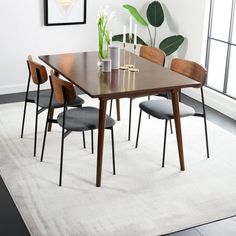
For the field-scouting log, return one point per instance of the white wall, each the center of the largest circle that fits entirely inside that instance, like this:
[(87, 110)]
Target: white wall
[(189, 18), (23, 33)]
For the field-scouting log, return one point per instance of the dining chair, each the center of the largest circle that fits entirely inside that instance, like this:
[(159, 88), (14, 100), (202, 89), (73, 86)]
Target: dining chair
[(162, 108), (77, 119), (39, 76), (155, 55)]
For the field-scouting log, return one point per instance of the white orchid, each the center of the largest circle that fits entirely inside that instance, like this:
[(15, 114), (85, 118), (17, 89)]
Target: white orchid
[(103, 18)]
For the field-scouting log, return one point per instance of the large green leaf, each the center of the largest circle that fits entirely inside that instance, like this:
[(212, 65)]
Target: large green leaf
[(171, 44), (155, 14), (119, 37), (133, 11)]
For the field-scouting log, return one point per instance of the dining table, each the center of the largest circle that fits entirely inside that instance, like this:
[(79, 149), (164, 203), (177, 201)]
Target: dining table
[(140, 78)]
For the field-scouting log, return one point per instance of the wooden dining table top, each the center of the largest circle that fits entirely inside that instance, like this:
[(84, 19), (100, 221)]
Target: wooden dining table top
[(82, 70)]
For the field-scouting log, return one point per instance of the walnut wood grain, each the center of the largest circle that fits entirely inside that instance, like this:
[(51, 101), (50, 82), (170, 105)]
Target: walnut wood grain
[(63, 90), (101, 127), (189, 69), (175, 104), (155, 55), (38, 72), (81, 69)]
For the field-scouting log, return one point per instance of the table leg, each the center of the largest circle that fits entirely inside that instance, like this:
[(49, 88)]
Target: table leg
[(101, 127), (118, 108), (51, 117), (175, 104)]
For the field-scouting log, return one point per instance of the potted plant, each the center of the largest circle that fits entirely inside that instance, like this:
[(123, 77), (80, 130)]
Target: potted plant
[(103, 18), (155, 18)]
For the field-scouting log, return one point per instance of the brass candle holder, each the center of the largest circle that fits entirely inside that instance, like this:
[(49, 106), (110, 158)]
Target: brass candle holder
[(130, 67), (124, 67), (133, 68)]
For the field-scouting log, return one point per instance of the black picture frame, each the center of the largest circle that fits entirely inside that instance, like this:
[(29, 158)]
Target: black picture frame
[(63, 12)]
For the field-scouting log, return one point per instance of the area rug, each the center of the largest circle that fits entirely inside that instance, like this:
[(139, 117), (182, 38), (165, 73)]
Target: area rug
[(141, 199)]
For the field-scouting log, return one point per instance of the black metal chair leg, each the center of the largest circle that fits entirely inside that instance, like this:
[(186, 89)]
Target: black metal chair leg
[(84, 140), (130, 116), (171, 128), (110, 107), (26, 97), (113, 151), (149, 97), (164, 145), (46, 124), (206, 135), (23, 120), (205, 123), (139, 122), (36, 121), (44, 137), (92, 146), (62, 146)]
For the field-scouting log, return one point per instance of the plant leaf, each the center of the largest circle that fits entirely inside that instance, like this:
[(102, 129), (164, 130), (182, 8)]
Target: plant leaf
[(171, 44), (119, 37), (133, 11), (155, 14)]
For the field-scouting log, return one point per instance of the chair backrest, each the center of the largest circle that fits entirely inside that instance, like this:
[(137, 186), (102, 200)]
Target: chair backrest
[(155, 55), (37, 71), (64, 91), (189, 69)]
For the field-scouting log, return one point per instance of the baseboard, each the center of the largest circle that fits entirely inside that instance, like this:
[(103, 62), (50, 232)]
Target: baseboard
[(215, 100)]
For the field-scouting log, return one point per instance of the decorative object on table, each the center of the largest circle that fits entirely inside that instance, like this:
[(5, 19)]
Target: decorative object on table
[(155, 16), (106, 65), (64, 12), (124, 67), (131, 38), (104, 39), (114, 52), (132, 67)]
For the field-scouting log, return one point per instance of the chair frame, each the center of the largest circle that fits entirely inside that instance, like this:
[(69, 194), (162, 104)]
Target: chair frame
[(154, 55), (64, 133), (203, 114), (37, 80)]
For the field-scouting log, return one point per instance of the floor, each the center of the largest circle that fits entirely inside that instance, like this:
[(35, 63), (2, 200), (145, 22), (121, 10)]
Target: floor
[(12, 223)]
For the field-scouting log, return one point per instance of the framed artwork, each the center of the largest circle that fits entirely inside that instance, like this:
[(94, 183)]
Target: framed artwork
[(64, 12)]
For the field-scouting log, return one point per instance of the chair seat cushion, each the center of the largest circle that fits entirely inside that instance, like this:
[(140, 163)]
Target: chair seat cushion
[(44, 98), (162, 109), (82, 119)]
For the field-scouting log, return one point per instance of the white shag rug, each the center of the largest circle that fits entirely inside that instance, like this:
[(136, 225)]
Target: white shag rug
[(142, 199)]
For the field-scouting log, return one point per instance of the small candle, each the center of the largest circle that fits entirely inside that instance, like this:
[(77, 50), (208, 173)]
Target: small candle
[(124, 34), (135, 34), (130, 26)]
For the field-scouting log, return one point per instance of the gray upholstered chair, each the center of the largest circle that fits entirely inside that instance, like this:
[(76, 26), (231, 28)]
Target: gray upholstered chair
[(156, 56), (162, 108), (78, 119), (38, 74)]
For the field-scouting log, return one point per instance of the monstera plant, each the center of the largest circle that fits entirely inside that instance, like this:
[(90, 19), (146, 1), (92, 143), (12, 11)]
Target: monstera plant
[(155, 18)]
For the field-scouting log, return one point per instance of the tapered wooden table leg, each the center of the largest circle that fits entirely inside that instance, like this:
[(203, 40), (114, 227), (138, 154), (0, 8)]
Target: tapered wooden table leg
[(175, 104), (101, 127), (51, 117), (118, 108)]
